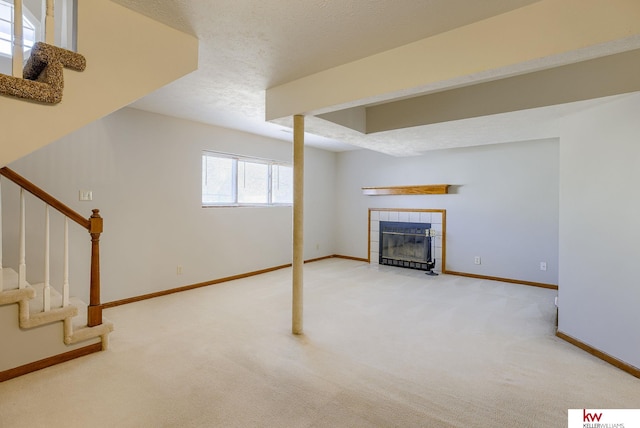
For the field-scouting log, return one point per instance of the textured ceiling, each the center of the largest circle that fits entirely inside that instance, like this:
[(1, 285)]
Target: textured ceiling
[(247, 46)]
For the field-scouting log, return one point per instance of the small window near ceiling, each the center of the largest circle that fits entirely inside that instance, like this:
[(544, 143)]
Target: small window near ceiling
[(6, 29), (229, 180)]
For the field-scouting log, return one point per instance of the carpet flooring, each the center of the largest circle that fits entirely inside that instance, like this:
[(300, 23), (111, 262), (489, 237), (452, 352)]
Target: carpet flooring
[(383, 347)]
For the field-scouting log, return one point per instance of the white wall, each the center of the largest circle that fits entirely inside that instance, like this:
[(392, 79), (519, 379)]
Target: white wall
[(600, 228), (145, 173), (503, 204)]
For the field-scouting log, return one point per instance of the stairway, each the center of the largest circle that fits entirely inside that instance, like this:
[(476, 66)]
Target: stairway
[(31, 334), (40, 325), (127, 56)]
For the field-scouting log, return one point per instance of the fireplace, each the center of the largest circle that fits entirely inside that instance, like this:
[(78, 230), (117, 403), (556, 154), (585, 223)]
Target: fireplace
[(406, 244), (433, 220)]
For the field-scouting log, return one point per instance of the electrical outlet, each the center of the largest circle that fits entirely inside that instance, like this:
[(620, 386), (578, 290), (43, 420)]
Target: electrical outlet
[(179, 270), (85, 195), (477, 260), (543, 265)]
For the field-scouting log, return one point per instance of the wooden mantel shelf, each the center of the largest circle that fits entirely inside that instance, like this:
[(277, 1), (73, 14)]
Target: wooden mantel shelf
[(428, 189)]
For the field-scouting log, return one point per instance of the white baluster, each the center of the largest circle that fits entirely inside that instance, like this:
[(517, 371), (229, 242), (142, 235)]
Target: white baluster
[(65, 281), (18, 39), (1, 273), (22, 268), (64, 24), (49, 22), (46, 291)]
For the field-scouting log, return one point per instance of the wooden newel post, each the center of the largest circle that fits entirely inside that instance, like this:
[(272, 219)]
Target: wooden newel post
[(94, 314)]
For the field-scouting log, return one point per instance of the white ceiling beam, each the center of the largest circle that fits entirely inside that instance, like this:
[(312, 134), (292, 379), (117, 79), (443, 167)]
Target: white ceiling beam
[(542, 35), (597, 78)]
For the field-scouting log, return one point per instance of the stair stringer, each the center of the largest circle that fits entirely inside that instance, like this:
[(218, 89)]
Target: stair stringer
[(128, 56), (32, 335)]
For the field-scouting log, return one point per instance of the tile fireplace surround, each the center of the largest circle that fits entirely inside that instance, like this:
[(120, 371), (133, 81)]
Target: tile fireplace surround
[(437, 218)]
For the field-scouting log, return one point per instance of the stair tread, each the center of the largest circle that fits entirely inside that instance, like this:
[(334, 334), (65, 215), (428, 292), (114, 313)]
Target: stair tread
[(37, 303), (9, 278), (79, 322)]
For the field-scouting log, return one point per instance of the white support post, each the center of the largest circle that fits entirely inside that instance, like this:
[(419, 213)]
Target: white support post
[(298, 224), (18, 39), (65, 270), (22, 268), (49, 27), (46, 291)]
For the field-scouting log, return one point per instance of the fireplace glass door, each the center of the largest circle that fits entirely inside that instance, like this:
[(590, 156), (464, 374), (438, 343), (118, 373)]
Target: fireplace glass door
[(405, 244)]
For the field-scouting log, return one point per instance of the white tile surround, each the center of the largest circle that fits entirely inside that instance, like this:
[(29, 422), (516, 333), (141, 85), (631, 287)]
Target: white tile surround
[(435, 217)]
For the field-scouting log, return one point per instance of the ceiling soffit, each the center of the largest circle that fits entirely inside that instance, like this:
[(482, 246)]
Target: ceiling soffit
[(473, 59), (597, 78)]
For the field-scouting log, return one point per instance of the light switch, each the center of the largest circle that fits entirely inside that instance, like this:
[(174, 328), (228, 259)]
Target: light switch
[(86, 195)]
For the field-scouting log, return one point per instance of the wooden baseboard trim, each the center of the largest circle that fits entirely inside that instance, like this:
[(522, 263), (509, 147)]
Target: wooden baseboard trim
[(319, 259), (357, 259), (509, 280), (599, 354), (190, 287), (50, 361), (216, 281)]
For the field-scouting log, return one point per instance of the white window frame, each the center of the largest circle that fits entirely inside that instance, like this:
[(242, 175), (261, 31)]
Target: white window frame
[(234, 171)]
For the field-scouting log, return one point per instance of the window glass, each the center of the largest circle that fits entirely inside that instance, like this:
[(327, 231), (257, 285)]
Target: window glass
[(281, 184), (217, 180), (229, 180), (6, 34), (253, 183), (6, 11)]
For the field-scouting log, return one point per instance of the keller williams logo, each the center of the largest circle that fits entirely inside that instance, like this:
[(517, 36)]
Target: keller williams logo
[(590, 417)]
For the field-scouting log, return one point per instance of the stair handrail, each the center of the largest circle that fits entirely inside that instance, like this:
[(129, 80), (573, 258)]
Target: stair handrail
[(93, 224)]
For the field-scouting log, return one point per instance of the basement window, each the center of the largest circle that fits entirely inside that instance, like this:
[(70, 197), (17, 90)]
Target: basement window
[(29, 29), (235, 181)]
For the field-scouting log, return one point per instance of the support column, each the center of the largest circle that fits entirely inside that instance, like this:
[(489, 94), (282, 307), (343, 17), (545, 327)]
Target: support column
[(298, 222)]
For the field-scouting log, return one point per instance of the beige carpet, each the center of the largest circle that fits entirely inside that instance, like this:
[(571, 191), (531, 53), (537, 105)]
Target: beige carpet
[(384, 347)]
